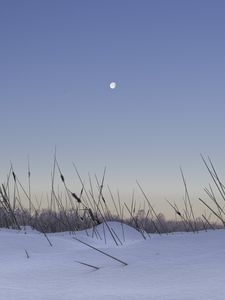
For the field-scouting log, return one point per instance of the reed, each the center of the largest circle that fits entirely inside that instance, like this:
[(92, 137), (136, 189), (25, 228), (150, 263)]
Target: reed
[(72, 210)]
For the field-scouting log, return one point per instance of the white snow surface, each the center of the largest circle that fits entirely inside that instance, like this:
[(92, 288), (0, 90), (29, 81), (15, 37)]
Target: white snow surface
[(179, 266)]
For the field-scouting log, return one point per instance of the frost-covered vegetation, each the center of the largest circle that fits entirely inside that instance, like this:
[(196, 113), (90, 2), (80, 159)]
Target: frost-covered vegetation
[(72, 211)]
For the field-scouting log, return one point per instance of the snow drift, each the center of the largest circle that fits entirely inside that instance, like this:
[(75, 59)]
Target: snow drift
[(175, 266)]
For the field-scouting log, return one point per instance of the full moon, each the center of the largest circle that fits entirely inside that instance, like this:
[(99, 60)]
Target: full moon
[(112, 85)]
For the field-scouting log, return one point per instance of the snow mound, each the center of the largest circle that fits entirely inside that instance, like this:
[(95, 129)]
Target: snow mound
[(112, 232)]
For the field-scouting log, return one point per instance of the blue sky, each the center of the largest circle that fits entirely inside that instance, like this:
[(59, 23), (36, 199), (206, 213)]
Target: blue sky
[(57, 59)]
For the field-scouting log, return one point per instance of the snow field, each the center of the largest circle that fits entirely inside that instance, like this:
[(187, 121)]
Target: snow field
[(174, 266)]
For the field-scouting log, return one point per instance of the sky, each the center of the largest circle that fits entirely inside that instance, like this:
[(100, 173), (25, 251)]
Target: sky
[(57, 60)]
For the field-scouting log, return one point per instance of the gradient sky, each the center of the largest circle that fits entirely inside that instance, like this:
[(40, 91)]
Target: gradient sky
[(57, 59)]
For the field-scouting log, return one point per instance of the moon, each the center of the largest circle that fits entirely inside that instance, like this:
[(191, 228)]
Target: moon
[(112, 85)]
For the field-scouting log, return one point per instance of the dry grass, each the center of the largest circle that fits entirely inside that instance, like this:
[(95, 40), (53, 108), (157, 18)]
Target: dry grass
[(90, 207)]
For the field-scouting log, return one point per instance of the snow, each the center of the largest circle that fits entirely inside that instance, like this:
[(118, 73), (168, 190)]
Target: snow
[(175, 266)]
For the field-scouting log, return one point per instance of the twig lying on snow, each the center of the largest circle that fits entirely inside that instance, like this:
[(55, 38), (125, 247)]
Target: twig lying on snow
[(27, 254), (88, 265), (122, 262)]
